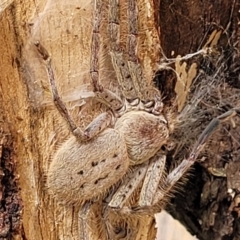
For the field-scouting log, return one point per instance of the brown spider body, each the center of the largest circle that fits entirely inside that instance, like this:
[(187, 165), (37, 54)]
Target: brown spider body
[(79, 170)]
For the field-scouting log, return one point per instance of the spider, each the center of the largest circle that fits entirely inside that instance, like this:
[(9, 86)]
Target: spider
[(129, 135)]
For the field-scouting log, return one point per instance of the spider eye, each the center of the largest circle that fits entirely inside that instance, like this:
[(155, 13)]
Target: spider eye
[(148, 104)]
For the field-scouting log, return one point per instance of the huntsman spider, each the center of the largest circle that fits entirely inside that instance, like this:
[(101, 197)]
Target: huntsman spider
[(129, 135)]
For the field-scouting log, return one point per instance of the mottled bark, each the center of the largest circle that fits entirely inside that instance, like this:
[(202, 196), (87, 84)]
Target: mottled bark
[(208, 204), (65, 29)]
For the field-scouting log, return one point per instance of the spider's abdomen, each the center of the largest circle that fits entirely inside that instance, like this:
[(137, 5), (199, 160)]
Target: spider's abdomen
[(82, 170), (144, 134)]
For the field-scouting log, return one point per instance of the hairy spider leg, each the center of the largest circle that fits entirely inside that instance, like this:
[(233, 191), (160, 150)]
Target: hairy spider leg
[(151, 172), (104, 95), (82, 221), (96, 126), (56, 98), (174, 176), (147, 93), (129, 184), (128, 70), (118, 59), (154, 174), (130, 77), (132, 45)]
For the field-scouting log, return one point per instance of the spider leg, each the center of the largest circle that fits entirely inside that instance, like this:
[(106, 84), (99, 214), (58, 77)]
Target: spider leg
[(119, 61), (56, 98), (150, 96), (151, 172), (129, 72), (83, 216), (130, 183), (132, 43), (95, 47), (185, 165), (123, 75), (151, 181), (106, 96), (96, 126)]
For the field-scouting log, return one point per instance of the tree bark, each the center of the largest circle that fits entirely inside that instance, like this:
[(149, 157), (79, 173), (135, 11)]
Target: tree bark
[(207, 204), (65, 29), (32, 128)]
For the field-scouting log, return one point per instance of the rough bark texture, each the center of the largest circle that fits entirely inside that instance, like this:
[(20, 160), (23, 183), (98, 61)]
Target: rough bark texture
[(32, 128), (208, 203), (65, 29)]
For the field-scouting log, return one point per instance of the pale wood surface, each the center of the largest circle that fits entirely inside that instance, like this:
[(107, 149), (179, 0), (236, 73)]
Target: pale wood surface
[(170, 229), (65, 30)]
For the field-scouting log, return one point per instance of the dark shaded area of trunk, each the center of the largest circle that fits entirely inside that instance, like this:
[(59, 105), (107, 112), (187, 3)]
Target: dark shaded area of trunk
[(208, 205)]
